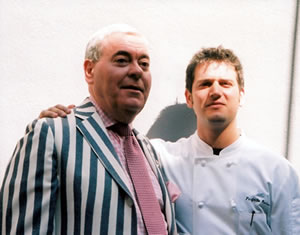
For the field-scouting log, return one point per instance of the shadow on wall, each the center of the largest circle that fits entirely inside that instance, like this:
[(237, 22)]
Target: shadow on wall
[(174, 121)]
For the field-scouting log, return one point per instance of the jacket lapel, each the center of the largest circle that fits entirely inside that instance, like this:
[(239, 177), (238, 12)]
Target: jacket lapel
[(145, 145), (157, 169), (91, 126)]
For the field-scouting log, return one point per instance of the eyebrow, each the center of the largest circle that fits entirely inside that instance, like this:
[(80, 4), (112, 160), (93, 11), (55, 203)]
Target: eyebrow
[(218, 79), (126, 53)]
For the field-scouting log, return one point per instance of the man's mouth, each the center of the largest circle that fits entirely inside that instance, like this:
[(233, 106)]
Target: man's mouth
[(214, 104), (130, 87)]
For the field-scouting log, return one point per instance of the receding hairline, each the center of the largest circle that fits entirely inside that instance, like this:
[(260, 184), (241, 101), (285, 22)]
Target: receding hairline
[(134, 34), (94, 46)]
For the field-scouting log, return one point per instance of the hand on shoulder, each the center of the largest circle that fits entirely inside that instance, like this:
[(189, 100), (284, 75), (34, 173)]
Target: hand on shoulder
[(58, 110)]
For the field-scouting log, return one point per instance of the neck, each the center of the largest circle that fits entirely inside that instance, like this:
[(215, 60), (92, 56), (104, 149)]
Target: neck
[(117, 114), (219, 137)]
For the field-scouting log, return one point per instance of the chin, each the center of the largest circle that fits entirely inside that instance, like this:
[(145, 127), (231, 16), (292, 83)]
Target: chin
[(217, 119), (132, 110), (134, 105)]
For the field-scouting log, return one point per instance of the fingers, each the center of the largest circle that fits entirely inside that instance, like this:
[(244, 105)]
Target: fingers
[(61, 110), (47, 113), (71, 106), (56, 111)]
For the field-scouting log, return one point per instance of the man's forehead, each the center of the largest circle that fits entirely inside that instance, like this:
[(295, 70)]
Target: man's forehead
[(215, 70), (129, 54), (212, 66), (125, 42)]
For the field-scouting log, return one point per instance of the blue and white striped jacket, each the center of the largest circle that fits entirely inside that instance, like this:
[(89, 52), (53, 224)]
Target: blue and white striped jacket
[(65, 178)]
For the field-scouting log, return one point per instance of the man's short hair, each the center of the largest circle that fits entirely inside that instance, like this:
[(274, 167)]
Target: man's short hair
[(93, 48), (218, 54)]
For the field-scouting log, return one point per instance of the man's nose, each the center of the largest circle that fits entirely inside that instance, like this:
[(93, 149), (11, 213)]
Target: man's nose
[(215, 90), (135, 70)]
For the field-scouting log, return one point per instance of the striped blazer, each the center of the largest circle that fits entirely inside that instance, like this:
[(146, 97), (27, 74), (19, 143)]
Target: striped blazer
[(66, 178)]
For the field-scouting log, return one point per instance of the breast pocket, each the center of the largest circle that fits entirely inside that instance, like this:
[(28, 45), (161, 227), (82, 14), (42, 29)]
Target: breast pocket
[(252, 223), (253, 215)]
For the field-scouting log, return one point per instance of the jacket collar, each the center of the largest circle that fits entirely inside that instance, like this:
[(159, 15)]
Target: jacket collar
[(91, 126), (89, 123)]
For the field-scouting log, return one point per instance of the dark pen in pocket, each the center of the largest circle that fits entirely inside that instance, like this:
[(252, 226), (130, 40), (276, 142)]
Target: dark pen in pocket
[(251, 221)]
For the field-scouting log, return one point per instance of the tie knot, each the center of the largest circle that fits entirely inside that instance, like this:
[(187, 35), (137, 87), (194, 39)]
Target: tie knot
[(121, 128)]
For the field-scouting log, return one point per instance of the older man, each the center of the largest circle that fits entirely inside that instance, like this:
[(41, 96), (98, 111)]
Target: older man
[(83, 174)]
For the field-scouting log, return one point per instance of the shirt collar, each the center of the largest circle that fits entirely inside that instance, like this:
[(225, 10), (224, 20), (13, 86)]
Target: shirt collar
[(201, 147), (108, 121)]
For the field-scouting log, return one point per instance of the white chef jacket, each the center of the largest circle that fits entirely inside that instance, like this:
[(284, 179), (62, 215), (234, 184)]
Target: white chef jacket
[(245, 190)]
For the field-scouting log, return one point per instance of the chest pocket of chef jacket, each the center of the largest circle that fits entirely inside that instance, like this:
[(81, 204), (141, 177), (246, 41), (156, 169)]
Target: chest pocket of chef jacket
[(254, 214)]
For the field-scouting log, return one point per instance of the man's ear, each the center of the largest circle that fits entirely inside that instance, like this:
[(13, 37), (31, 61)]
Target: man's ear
[(188, 98), (242, 97), (89, 71)]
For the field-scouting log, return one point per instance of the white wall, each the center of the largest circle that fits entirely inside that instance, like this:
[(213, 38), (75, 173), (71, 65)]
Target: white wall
[(42, 46)]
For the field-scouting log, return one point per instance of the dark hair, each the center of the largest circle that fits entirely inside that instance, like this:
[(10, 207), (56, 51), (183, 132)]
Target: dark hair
[(218, 54)]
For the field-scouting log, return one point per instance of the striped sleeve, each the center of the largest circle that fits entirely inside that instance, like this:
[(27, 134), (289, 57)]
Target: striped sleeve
[(29, 186), (63, 178)]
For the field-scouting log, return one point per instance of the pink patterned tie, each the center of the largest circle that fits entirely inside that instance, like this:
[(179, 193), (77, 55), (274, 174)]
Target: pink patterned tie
[(147, 200)]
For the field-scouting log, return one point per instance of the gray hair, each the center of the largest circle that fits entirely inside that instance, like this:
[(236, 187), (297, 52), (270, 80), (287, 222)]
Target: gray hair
[(93, 48)]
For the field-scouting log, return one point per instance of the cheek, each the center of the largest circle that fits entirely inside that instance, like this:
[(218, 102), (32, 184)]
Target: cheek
[(147, 83), (199, 97), (234, 101), (232, 94)]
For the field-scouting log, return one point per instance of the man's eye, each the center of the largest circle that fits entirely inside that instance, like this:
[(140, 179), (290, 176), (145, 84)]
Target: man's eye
[(145, 64), (205, 84), (121, 60), (225, 83)]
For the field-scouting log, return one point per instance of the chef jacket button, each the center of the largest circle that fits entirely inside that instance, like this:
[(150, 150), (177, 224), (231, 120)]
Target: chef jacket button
[(229, 164), (203, 162), (233, 204), (200, 205)]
